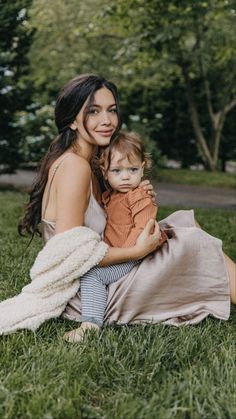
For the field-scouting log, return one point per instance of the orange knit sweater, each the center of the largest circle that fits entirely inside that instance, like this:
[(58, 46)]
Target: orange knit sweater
[(127, 215)]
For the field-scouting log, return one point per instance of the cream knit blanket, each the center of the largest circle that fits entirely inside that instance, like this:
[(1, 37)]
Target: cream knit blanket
[(54, 279)]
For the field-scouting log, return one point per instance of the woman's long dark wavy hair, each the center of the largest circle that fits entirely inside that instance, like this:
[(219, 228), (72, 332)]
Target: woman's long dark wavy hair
[(69, 103)]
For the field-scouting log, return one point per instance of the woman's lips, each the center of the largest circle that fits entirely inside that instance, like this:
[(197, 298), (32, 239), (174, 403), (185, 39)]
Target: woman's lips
[(105, 133)]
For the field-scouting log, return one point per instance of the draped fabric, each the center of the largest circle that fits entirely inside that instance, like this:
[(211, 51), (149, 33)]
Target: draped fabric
[(181, 283)]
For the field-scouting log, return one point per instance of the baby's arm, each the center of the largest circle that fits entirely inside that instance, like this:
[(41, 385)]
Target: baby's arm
[(146, 243), (142, 209)]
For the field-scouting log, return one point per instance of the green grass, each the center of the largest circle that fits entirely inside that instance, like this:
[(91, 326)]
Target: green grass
[(195, 177), (151, 372)]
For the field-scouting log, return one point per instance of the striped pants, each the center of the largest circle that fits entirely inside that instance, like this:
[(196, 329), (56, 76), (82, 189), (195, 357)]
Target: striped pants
[(93, 289)]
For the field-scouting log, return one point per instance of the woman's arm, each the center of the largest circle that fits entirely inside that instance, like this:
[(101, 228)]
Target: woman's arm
[(72, 193), (146, 243)]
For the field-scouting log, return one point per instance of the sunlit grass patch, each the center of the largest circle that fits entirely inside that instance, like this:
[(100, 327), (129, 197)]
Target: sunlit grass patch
[(131, 372), (195, 177)]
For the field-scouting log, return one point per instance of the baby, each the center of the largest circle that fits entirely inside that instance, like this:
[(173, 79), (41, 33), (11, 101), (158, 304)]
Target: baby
[(128, 207)]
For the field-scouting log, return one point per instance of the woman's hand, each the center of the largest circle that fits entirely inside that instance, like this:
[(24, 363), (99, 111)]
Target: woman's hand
[(148, 240), (147, 186)]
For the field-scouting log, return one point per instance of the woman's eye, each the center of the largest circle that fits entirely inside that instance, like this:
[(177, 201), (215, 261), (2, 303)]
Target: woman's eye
[(113, 110), (92, 111)]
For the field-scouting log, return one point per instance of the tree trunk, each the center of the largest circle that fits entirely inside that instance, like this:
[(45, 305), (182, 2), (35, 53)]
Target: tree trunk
[(217, 136), (207, 158)]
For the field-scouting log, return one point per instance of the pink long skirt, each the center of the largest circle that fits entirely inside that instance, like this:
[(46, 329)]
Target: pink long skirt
[(181, 283)]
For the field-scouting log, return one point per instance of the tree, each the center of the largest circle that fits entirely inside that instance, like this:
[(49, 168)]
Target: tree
[(146, 47), (14, 95), (192, 41), (62, 46)]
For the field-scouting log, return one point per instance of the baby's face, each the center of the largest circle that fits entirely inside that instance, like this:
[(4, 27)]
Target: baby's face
[(124, 174)]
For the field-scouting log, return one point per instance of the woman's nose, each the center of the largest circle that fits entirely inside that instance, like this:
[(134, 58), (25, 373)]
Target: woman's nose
[(105, 118)]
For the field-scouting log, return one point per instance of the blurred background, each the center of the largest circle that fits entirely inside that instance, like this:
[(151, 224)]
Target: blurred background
[(173, 61)]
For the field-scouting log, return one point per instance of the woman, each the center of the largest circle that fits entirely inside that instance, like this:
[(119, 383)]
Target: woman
[(181, 283)]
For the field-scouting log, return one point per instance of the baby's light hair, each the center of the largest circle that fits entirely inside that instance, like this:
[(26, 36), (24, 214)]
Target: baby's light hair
[(129, 145)]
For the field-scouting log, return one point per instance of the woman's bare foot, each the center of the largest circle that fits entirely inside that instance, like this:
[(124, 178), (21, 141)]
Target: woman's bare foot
[(77, 335)]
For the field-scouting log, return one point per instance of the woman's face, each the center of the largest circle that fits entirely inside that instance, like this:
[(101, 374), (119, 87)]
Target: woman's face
[(101, 120)]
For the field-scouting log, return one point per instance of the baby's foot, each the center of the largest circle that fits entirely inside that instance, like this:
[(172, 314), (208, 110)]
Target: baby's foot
[(77, 335)]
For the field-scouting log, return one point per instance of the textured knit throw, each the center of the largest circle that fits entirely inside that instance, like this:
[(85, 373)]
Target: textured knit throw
[(54, 279)]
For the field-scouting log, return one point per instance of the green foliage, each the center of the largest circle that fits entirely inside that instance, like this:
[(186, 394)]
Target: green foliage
[(134, 372), (191, 43), (38, 129), (144, 46), (14, 43), (61, 48)]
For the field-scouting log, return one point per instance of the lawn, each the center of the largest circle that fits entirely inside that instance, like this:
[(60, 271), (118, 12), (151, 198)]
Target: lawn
[(151, 372), (195, 177)]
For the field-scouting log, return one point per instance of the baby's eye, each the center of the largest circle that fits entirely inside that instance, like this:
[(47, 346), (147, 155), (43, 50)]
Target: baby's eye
[(133, 169)]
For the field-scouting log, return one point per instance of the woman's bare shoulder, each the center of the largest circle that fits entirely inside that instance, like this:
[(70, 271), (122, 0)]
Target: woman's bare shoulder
[(75, 168), (73, 162), (73, 177)]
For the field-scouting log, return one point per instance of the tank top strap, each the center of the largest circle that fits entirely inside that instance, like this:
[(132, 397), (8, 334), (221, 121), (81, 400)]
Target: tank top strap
[(50, 184)]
